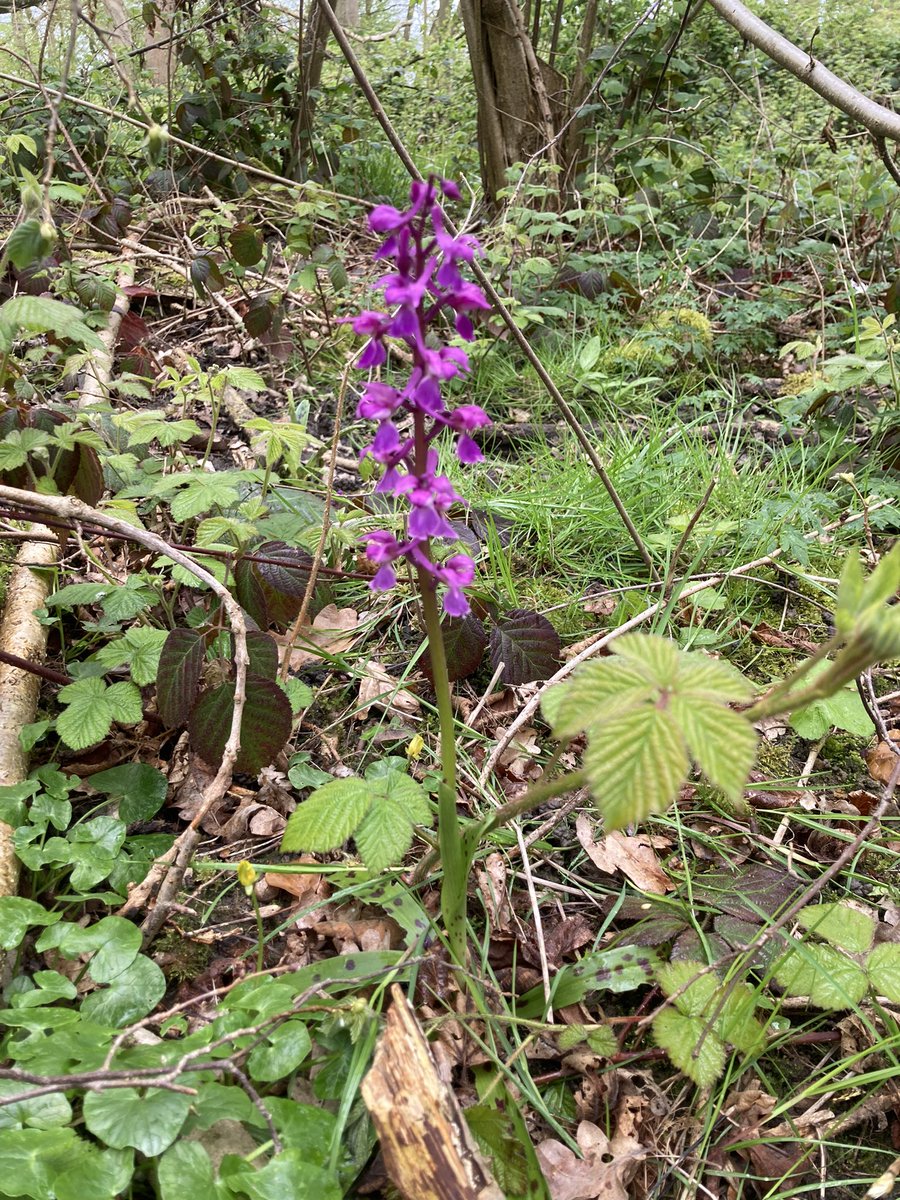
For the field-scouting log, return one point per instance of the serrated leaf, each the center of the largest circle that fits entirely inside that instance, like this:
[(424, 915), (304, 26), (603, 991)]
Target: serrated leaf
[(246, 244), (148, 1121), (263, 654), (265, 726), (883, 966), (140, 648), (39, 314), (87, 717), (721, 742), (842, 926), (178, 675), (692, 987), (327, 818), (598, 690), (78, 593), (827, 977), (635, 765), (124, 702), (465, 641), (659, 656), (246, 379), (694, 1049), (737, 1025), (384, 834), (299, 694), (283, 1051), (527, 644), (709, 678), (203, 493), (28, 243)]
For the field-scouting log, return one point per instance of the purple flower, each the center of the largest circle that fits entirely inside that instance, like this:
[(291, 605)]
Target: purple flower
[(424, 282)]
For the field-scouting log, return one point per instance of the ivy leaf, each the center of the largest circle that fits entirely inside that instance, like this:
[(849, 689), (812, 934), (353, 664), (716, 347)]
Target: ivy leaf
[(283, 1051), (327, 818), (844, 710), (527, 644), (40, 1112), (150, 1122), (465, 641), (691, 1045), (178, 675), (884, 971), (843, 926), (635, 765)]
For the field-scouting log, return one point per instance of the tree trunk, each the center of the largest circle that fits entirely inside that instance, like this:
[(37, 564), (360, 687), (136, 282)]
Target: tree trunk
[(516, 121)]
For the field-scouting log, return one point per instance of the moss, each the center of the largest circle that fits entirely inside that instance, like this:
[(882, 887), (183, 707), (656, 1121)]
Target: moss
[(842, 752), (776, 759), (796, 385), (182, 959)]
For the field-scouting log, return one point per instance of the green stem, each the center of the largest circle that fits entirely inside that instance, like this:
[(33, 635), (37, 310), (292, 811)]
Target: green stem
[(456, 866), (774, 700), (533, 798)]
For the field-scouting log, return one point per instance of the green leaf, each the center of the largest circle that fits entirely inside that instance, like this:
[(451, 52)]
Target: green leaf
[(124, 701), (659, 656), (49, 986), (691, 985), (844, 710), (283, 1051), (185, 1170), (299, 694), (132, 994), (384, 835), (598, 690), (721, 742), (78, 593), (635, 765), (246, 246), (150, 1122), (884, 971), (303, 1127), (17, 915), (140, 648), (201, 494), (39, 314), (40, 1112), (621, 969), (28, 243), (95, 1174), (327, 818), (827, 977), (838, 923), (737, 1024), (286, 1176), (87, 718), (691, 1045), (246, 379), (31, 1160), (140, 788)]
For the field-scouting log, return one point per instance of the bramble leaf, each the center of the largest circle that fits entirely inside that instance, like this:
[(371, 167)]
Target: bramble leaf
[(691, 1045), (327, 818), (527, 644), (883, 966), (178, 675), (827, 977), (845, 927)]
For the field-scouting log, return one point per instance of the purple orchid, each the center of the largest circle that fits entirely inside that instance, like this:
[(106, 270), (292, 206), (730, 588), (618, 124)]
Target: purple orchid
[(425, 280)]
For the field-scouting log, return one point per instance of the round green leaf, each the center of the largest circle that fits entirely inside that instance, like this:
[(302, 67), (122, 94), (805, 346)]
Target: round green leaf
[(283, 1051), (150, 1122), (16, 915), (131, 995), (141, 789)]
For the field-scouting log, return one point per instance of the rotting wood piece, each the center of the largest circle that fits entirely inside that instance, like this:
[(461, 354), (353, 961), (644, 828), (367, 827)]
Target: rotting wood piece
[(21, 633), (428, 1149)]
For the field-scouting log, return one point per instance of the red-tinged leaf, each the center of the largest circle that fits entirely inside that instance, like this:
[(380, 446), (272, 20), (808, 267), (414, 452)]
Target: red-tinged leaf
[(465, 641), (87, 483), (263, 654), (246, 244), (178, 675), (139, 290), (133, 332), (206, 275), (265, 727), (258, 317), (249, 592), (527, 644)]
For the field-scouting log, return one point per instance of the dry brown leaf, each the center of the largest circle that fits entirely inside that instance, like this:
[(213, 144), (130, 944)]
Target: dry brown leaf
[(308, 888), (332, 632), (634, 857), (492, 885), (379, 689), (882, 759), (605, 1170)]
